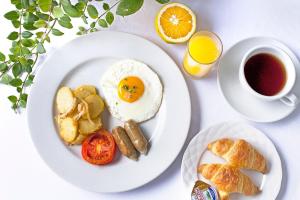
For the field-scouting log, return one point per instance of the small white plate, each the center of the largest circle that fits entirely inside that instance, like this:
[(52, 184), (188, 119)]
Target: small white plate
[(197, 153), (83, 61), (239, 98)]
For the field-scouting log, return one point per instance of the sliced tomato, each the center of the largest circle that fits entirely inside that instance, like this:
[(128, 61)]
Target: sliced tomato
[(99, 148)]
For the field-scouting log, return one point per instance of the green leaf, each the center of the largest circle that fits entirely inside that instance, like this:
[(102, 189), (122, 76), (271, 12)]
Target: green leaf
[(58, 12), (23, 103), (18, 6), (2, 57), (29, 26), (25, 4), (93, 30), (26, 51), (12, 99), (3, 67), (15, 51), (26, 34), (40, 48), (6, 78), (29, 80), (12, 15), (65, 18), (109, 18), (80, 6), (17, 69), (12, 58), (40, 23), (81, 28), (22, 60), (163, 1), (16, 82), (65, 24), (16, 23), (84, 19), (30, 61), (19, 89), (47, 38), (93, 24), (45, 5), (24, 97), (14, 2), (70, 9), (30, 77), (44, 16), (129, 7), (65, 21), (102, 23), (27, 68), (92, 11), (27, 42), (13, 35), (105, 6), (57, 32), (30, 17), (39, 34)]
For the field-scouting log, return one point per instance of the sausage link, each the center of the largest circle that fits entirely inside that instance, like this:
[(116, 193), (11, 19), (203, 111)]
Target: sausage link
[(136, 136), (123, 142)]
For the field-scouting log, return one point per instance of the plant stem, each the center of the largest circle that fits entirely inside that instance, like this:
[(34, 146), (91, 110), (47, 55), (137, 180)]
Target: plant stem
[(104, 14), (49, 30)]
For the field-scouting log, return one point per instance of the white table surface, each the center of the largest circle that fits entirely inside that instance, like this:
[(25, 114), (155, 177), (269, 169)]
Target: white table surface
[(24, 175)]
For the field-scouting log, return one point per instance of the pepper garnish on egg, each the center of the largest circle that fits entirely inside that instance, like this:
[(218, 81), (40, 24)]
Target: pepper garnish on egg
[(130, 89)]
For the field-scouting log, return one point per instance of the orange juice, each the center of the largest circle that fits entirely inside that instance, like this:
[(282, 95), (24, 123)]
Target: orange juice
[(204, 49)]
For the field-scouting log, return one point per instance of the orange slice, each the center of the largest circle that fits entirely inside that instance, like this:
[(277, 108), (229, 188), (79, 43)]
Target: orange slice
[(175, 23)]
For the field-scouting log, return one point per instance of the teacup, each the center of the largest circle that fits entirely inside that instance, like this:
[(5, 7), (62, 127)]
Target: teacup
[(268, 73)]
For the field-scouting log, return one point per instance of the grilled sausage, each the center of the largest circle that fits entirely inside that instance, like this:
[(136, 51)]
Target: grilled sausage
[(123, 142), (136, 136)]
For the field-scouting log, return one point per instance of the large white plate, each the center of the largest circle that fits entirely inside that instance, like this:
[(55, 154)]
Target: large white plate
[(240, 99), (83, 61), (197, 153)]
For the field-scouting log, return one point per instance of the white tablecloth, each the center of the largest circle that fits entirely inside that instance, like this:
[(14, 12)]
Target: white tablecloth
[(23, 174)]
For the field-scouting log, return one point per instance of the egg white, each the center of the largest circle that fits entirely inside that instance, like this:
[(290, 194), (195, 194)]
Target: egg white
[(146, 106)]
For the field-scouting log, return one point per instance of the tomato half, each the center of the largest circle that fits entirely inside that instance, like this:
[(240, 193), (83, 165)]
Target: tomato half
[(99, 148)]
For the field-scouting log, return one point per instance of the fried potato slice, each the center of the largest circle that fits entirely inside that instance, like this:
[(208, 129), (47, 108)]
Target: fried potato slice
[(79, 140), (84, 91), (79, 112), (85, 127), (95, 106), (68, 129), (65, 101)]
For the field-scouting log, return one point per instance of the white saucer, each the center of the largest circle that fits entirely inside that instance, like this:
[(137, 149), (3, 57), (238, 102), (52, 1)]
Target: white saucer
[(238, 98)]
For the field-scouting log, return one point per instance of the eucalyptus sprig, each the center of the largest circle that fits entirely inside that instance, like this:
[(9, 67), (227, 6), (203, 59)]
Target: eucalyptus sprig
[(36, 21)]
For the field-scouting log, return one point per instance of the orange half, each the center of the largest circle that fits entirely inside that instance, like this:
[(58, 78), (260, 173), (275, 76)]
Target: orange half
[(175, 23)]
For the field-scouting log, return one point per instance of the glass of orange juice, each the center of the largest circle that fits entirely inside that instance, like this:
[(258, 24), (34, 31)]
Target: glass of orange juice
[(203, 51)]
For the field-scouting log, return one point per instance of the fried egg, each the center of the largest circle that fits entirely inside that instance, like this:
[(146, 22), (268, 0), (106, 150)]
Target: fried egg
[(131, 90)]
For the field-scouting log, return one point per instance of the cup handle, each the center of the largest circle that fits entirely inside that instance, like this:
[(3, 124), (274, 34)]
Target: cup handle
[(290, 100)]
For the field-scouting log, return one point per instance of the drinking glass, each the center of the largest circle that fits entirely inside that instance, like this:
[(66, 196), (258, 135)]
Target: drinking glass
[(203, 52)]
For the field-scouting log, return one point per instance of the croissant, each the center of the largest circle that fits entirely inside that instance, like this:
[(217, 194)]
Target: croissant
[(228, 179), (239, 153)]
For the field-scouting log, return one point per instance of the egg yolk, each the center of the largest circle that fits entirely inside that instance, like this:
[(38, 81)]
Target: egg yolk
[(130, 89)]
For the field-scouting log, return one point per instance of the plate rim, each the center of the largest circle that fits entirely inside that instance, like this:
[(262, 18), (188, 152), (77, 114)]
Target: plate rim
[(179, 73), (268, 39)]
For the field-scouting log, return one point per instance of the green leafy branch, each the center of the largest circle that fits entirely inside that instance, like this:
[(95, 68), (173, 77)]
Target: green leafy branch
[(36, 21)]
